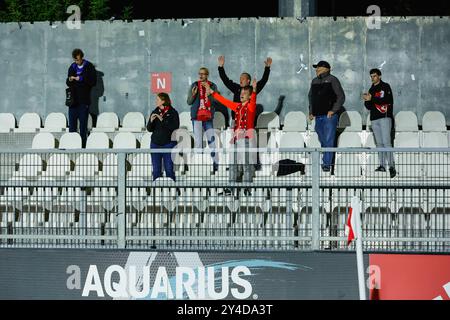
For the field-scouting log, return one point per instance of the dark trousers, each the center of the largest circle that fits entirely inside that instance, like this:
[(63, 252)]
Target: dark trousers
[(79, 112), (157, 159)]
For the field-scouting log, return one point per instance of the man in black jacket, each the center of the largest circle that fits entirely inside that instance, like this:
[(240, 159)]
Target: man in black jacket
[(81, 77), (326, 98), (380, 102)]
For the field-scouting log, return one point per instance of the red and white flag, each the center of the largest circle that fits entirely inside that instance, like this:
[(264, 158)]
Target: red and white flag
[(350, 226)]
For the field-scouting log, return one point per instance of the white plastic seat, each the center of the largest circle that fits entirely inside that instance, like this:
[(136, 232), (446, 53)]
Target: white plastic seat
[(437, 164), (29, 122), (185, 121), (349, 140), (71, 195), (55, 122), (406, 121), (106, 122), (268, 120), (435, 140), (408, 164), (292, 140), (141, 166), (125, 140), (406, 140), (16, 195), (219, 121), (43, 140), (350, 121), (312, 140), (164, 193), (109, 168), (102, 196), (30, 166), (370, 141), (434, 121), (137, 195), (44, 195), (86, 166), (97, 140), (146, 140), (58, 166), (7, 122), (133, 122), (295, 121), (70, 140), (348, 164), (200, 165)]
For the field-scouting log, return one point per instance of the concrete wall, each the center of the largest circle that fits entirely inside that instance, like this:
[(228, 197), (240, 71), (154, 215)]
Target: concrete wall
[(413, 53)]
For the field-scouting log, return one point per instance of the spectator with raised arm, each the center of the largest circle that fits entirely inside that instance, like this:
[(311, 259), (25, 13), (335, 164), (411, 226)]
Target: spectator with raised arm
[(244, 81), (242, 164)]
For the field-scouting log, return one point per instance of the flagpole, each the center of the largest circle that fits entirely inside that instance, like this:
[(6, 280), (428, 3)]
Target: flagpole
[(359, 253)]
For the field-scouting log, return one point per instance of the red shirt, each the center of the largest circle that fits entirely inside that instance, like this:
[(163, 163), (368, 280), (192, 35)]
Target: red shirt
[(244, 117)]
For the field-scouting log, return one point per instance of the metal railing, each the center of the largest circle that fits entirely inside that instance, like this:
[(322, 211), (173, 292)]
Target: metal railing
[(107, 199)]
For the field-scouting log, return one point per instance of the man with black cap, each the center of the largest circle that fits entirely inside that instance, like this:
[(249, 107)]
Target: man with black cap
[(326, 97)]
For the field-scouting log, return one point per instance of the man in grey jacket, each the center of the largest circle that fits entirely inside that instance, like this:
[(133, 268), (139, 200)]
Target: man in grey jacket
[(326, 97), (198, 99)]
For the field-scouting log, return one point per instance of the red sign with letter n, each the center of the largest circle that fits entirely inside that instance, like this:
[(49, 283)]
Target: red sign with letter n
[(161, 82)]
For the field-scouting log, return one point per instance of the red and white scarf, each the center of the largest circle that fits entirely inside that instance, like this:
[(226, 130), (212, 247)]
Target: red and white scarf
[(163, 111), (204, 100)]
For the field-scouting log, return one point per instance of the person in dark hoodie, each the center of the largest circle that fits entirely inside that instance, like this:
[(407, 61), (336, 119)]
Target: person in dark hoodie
[(380, 102), (81, 77), (163, 121)]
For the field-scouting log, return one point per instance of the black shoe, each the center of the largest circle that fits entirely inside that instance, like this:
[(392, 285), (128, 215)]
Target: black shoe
[(392, 172), (215, 167), (380, 169), (258, 167), (326, 169)]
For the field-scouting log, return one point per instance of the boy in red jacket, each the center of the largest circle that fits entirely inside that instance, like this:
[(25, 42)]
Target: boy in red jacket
[(243, 135)]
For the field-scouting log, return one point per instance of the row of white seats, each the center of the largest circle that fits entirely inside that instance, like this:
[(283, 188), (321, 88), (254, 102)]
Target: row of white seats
[(127, 140), (294, 121), (352, 121), (95, 140), (57, 122)]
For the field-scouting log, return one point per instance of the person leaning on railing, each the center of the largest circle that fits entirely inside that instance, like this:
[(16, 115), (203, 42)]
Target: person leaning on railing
[(163, 121)]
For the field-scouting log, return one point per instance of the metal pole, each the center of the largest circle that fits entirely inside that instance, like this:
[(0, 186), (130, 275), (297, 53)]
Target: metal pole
[(356, 205), (121, 199), (315, 164)]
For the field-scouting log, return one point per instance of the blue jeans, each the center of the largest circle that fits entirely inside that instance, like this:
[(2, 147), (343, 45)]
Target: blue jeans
[(207, 127), (157, 159), (326, 130), (79, 112)]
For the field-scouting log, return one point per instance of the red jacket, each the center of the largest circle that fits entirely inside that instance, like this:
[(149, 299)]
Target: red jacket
[(244, 115)]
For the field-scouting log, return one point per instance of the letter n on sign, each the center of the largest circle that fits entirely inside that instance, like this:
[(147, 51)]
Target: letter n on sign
[(161, 82)]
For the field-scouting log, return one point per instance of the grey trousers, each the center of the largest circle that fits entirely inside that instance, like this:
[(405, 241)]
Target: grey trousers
[(242, 164), (382, 132)]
